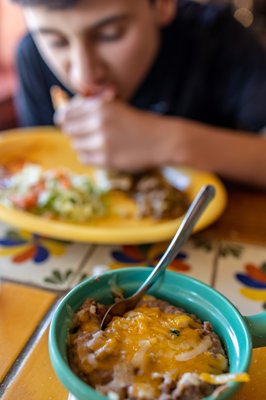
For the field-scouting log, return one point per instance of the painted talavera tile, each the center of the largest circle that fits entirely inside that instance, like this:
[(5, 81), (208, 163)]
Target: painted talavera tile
[(195, 259), (37, 379), (29, 258), (256, 388), (241, 276), (21, 310)]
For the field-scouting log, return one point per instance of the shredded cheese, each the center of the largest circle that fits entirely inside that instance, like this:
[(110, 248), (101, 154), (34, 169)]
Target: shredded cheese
[(150, 345), (224, 378)]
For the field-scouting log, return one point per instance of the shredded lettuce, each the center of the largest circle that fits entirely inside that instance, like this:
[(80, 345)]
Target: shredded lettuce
[(55, 193)]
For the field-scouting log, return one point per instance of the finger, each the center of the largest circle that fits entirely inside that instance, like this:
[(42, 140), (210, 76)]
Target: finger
[(83, 126), (78, 107), (75, 109), (89, 144), (94, 158)]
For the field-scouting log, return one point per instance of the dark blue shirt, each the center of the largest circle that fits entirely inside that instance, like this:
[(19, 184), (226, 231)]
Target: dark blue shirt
[(209, 69)]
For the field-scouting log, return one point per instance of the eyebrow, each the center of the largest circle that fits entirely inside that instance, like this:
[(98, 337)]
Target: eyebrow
[(98, 25)]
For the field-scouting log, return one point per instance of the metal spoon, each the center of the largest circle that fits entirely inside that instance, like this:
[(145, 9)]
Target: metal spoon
[(195, 210)]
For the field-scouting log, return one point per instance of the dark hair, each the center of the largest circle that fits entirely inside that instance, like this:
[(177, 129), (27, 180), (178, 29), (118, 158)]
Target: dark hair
[(50, 4)]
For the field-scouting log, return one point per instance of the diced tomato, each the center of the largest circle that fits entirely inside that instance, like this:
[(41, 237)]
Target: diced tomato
[(25, 202), (39, 187), (62, 178), (65, 182)]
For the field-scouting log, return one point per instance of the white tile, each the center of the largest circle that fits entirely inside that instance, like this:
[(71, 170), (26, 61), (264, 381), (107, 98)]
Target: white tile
[(237, 264), (46, 262), (201, 256), (98, 262), (196, 259)]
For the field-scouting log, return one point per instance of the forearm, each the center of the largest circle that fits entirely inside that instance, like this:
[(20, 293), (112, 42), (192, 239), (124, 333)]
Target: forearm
[(233, 155)]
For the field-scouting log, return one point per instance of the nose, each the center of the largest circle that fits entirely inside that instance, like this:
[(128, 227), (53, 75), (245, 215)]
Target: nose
[(87, 71)]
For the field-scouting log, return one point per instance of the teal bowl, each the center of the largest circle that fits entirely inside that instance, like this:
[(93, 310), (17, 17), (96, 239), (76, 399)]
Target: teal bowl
[(239, 334)]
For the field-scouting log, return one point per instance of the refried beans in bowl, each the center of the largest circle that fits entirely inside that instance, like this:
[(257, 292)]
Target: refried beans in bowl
[(163, 349), (155, 351)]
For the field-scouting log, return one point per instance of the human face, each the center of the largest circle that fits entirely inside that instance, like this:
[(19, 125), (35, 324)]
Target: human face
[(99, 44)]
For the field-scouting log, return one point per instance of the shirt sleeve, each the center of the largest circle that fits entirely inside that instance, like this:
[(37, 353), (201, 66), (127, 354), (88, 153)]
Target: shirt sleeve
[(33, 102)]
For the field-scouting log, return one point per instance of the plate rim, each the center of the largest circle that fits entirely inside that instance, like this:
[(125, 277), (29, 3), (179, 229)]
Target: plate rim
[(159, 231)]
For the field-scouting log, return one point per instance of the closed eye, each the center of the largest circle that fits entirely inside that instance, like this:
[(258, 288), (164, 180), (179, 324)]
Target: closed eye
[(54, 38), (58, 43), (109, 35)]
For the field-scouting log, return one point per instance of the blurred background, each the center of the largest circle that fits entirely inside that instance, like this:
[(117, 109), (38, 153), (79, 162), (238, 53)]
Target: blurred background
[(250, 13)]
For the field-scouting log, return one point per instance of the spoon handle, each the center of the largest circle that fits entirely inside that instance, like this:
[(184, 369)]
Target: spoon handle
[(194, 212)]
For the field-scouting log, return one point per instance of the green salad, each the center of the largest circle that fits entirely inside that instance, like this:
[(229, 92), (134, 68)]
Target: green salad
[(55, 193)]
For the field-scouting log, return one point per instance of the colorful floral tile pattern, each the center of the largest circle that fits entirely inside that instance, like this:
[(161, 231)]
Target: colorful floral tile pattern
[(26, 257), (241, 276), (195, 259), (24, 246), (236, 270), (149, 255), (254, 282)]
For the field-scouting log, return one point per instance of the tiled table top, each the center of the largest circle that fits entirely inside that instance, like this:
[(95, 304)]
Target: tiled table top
[(36, 272)]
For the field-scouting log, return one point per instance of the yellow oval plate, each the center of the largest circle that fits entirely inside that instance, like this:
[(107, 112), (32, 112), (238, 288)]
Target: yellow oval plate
[(49, 148)]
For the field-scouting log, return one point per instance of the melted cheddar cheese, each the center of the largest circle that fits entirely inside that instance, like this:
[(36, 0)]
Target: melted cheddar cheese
[(145, 346)]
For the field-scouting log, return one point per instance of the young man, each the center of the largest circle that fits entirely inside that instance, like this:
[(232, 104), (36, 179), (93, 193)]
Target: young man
[(157, 83)]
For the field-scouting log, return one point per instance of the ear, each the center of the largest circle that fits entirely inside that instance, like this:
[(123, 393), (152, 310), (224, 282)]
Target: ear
[(166, 11)]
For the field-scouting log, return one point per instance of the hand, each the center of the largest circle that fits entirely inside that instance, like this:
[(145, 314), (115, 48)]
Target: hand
[(109, 133)]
